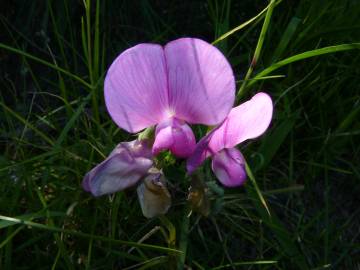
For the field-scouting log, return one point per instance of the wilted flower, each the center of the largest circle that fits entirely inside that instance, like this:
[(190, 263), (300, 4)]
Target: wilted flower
[(186, 81), (246, 121), (153, 194), (124, 167)]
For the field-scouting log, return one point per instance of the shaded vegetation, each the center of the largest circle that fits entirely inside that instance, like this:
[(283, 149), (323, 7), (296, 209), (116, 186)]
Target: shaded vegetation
[(54, 127)]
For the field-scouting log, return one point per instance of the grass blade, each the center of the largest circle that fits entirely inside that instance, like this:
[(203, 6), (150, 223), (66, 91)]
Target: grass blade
[(88, 236), (48, 64), (258, 48), (241, 26), (306, 55)]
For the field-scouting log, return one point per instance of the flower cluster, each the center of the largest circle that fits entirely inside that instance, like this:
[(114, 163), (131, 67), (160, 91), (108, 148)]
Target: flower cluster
[(186, 82)]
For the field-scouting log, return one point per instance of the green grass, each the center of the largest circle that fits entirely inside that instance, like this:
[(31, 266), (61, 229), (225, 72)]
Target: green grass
[(300, 206)]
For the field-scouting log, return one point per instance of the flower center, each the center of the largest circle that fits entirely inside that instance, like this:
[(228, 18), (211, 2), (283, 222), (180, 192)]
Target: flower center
[(170, 112)]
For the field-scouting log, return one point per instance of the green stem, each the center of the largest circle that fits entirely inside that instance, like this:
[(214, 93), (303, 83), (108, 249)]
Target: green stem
[(183, 242), (258, 47)]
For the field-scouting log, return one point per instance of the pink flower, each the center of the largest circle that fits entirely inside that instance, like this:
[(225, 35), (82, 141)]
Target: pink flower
[(124, 167), (246, 121), (188, 81)]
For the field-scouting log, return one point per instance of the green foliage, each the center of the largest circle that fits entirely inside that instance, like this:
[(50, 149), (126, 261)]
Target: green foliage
[(300, 207)]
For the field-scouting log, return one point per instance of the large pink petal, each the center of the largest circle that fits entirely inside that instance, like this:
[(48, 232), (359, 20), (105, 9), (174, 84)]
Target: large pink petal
[(246, 121), (201, 81), (135, 87)]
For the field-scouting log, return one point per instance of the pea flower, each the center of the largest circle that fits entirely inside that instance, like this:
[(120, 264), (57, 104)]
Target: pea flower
[(188, 81), (246, 121), (124, 167)]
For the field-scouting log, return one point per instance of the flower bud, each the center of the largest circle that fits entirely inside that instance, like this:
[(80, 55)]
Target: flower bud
[(229, 167)]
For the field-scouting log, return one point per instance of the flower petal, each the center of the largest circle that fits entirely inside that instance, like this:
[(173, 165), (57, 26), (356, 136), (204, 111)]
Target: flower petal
[(247, 121), (229, 167), (201, 81), (200, 153), (126, 165), (175, 135), (163, 140), (135, 87)]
